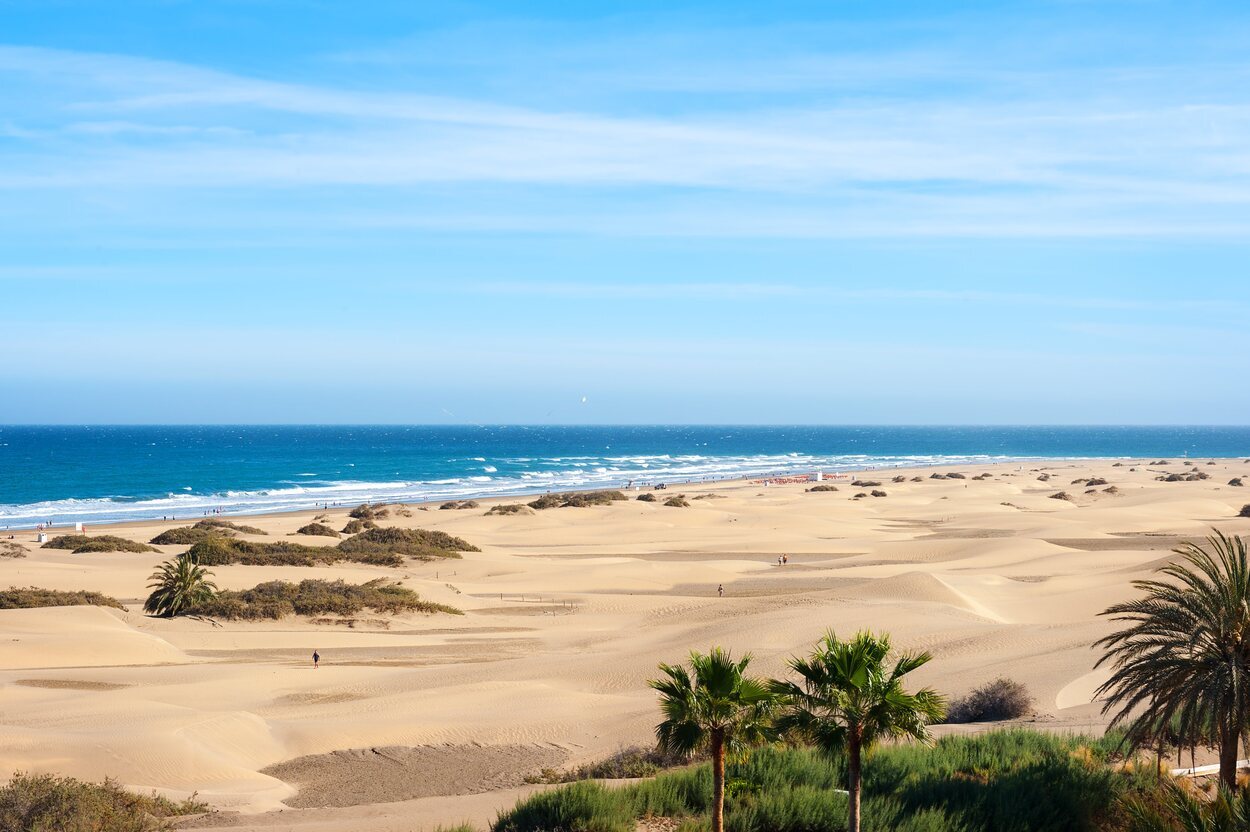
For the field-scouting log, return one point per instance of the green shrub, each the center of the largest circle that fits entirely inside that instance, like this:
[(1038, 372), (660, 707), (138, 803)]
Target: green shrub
[(1000, 699), (865, 484), (187, 535), (509, 508), (82, 544), (646, 497), (577, 499), (416, 543), (15, 598), (355, 526), (278, 599), (46, 803), (217, 523), (822, 488), (221, 551), (319, 529), (677, 501)]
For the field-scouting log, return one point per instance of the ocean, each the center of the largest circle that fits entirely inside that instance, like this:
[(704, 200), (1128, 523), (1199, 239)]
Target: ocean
[(98, 474)]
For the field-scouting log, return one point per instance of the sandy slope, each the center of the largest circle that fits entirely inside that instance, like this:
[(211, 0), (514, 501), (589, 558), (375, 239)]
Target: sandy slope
[(569, 610)]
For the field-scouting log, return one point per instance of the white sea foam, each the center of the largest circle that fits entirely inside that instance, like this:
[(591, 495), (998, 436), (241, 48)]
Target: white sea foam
[(521, 476)]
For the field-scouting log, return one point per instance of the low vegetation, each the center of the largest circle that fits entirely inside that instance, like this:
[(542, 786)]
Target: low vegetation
[(1002, 780), (1236, 482), (12, 549), (865, 484), (1245, 511), (81, 544), (577, 499), (992, 702), (631, 763), (15, 598), (223, 551), (877, 492), (677, 501), (355, 526), (459, 505), (317, 529), (1062, 495), (278, 599), (45, 802), (218, 523), (646, 497), (415, 543), (364, 511), (821, 488), (188, 535), (509, 508)]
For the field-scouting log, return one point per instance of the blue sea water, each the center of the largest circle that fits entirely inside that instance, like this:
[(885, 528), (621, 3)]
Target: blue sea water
[(103, 473)]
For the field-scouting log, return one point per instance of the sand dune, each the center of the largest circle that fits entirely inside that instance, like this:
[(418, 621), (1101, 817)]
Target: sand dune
[(421, 720)]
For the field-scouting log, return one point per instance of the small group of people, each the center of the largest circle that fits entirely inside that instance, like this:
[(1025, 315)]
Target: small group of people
[(782, 560)]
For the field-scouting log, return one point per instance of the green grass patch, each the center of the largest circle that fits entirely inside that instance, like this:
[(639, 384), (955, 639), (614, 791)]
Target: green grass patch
[(45, 802), (278, 599), (17, 598), (1008, 781), (81, 544)]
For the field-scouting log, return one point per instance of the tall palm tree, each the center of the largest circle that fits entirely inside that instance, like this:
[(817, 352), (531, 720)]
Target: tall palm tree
[(712, 706), (177, 586), (1184, 657), (848, 698)]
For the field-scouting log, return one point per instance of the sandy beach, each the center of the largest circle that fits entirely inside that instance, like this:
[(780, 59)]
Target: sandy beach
[(417, 721)]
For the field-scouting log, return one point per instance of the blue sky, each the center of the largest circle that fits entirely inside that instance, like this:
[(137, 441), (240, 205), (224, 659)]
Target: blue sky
[(647, 212)]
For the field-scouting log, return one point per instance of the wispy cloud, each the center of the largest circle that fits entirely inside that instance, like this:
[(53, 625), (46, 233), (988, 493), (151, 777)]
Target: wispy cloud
[(1112, 152)]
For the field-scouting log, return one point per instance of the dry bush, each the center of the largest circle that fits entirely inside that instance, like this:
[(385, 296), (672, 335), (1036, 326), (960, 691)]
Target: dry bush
[(997, 700)]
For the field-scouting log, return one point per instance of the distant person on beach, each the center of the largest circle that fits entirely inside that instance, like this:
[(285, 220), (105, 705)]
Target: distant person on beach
[(316, 659), (720, 590), (785, 559)]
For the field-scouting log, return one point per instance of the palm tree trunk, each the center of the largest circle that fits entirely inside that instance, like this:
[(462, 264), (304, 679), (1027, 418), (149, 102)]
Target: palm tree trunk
[(852, 786), (718, 781), (1228, 756)]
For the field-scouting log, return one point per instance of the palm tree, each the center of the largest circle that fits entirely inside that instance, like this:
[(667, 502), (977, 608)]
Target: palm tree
[(178, 585), (712, 706), (849, 698), (1184, 658)]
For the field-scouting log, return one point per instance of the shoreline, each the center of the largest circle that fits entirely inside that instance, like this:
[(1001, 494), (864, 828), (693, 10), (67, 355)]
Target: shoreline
[(523, 495)]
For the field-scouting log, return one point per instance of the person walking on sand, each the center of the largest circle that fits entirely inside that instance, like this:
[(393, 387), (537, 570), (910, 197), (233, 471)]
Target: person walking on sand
[(316, 659), (720, 590), (785, 559)]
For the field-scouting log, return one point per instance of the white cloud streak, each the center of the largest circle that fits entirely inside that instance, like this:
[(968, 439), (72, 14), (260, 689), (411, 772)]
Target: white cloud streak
[(920, 165)]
